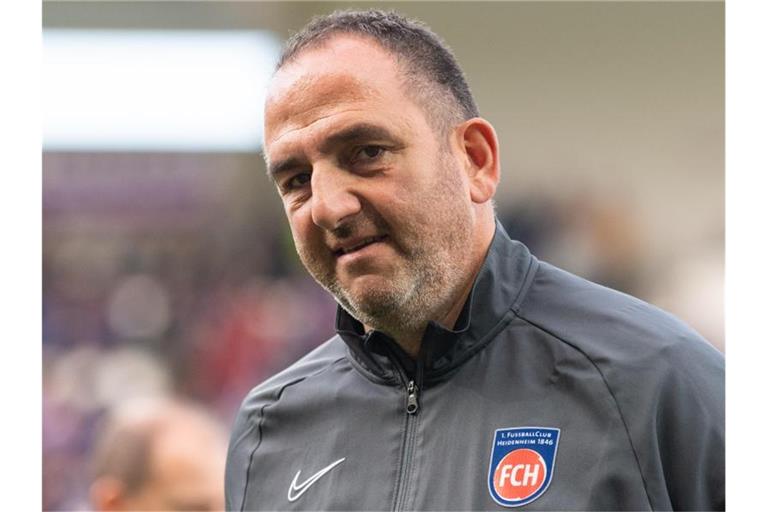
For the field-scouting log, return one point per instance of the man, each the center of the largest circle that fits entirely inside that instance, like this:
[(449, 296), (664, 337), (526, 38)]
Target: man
[(158, 455), (466, 374)]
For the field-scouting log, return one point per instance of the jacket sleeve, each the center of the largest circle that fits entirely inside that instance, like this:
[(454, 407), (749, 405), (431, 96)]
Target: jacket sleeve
[(244, 440), (690, 425), (675, 414), (666, 380)]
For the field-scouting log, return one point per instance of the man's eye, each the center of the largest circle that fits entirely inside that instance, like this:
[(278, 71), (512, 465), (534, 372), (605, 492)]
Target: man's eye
[(297, 181), (369, 153)]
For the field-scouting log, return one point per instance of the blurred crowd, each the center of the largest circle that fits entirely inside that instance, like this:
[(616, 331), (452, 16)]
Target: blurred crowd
[(152, 289), (158, 287)]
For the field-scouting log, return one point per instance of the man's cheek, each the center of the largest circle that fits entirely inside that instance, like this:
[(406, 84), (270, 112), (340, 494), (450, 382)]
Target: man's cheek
[(301, 229)]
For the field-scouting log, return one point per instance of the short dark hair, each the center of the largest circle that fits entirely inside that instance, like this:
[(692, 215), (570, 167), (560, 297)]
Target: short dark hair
[(429, 66)]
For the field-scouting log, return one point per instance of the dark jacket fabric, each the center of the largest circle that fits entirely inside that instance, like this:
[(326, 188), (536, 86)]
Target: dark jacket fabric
[(634, 398)]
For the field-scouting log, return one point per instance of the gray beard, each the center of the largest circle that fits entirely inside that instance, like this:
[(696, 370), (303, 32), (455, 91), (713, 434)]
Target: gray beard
[(433, 277), (406, 309), (435, 270)]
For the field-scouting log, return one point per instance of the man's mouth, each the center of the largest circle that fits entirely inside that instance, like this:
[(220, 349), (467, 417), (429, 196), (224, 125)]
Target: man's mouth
[(357, 245)]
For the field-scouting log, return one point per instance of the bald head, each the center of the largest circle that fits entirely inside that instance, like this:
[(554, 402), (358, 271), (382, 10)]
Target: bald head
[(159, 455)]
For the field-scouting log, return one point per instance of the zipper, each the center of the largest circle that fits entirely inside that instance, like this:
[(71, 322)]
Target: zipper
[(412, 401), (412, 406)]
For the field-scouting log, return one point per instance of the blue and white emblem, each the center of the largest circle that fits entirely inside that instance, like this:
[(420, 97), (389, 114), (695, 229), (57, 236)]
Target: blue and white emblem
[(522, 464)]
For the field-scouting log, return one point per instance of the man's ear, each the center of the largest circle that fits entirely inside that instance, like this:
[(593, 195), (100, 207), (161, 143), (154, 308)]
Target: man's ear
[(480, 146)]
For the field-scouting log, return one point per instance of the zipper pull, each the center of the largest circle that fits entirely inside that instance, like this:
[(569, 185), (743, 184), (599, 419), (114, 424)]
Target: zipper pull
[(412, 404)]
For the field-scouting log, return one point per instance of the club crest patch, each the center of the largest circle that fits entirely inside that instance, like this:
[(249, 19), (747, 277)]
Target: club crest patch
[(522, 464)]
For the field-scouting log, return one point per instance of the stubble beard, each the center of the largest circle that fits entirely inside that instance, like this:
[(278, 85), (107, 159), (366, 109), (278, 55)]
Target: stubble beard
[(433, 270)]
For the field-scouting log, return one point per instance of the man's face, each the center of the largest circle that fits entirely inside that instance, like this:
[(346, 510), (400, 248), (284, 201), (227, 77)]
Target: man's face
[(376, 197)]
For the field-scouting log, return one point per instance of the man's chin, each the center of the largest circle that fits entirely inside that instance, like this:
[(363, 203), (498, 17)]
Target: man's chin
[(372, 297)]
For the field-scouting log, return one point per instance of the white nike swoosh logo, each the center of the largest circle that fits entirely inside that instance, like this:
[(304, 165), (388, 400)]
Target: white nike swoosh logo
[(296, 490)]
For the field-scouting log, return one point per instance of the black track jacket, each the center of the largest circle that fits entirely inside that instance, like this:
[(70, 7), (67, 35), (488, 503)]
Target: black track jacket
[(552, 393)]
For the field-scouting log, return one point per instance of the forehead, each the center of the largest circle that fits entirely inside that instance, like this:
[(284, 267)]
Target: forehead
[(312, 95), (345, 73)]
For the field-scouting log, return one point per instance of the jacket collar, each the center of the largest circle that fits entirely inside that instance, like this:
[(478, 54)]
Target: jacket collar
[(498, 289)]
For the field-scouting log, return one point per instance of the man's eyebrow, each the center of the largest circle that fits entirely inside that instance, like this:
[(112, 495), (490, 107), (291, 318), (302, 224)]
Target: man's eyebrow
[(357, 133), (279, 167)]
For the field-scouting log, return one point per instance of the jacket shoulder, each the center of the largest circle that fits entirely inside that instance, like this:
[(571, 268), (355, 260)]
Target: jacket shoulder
[(667, 382), (246, 431), (607, 325), (311, 364)]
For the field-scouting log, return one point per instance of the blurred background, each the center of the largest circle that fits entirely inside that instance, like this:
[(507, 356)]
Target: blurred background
[(168, 267)]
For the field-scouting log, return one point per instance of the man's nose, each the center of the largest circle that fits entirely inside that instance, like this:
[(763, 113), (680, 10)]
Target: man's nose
[(333, 197)]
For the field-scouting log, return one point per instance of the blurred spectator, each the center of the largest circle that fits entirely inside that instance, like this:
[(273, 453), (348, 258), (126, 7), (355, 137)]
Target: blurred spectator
[(159, 455), (249, 332), (594, 236), (78, 386)]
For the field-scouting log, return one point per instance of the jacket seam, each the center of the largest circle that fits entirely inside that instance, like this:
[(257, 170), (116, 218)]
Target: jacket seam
[(502, 323), (522, 294), (610, 392), (261, 420), (478, 347), (366, 372)]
